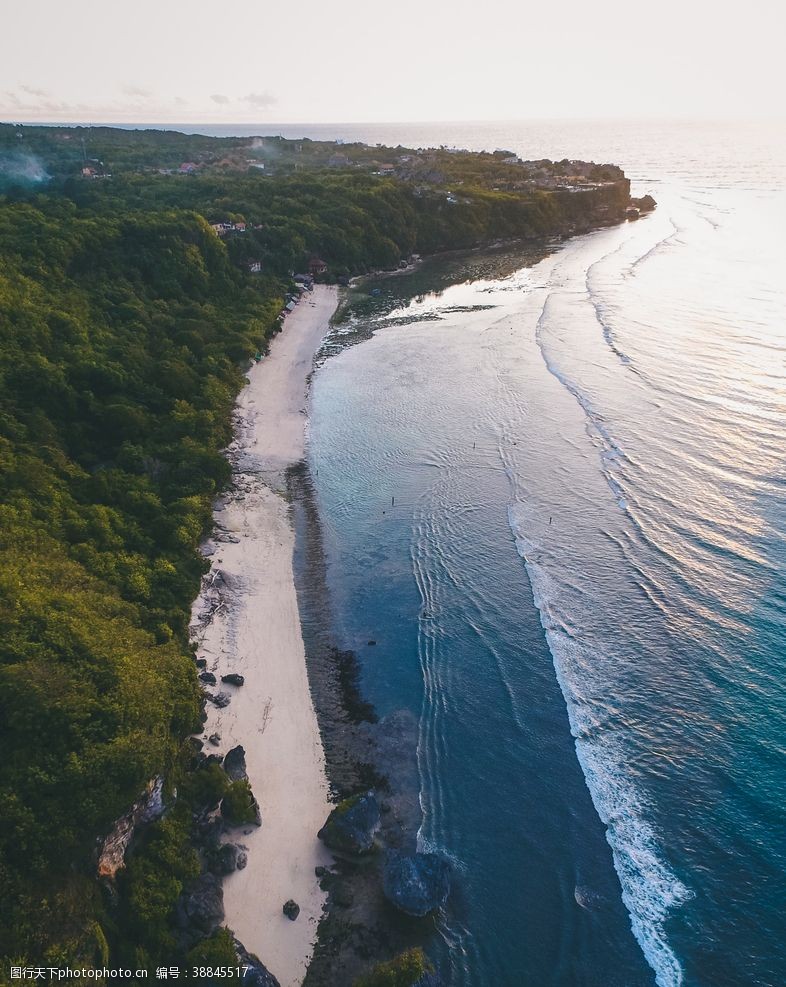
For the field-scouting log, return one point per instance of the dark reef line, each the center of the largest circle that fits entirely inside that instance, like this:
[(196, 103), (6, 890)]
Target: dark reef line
[(360, 927)]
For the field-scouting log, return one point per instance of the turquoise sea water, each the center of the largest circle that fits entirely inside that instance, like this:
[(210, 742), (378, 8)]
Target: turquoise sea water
[(581, 586)]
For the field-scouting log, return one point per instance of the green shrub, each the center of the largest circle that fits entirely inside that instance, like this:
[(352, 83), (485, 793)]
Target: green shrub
[(239, 806), (218, 950), (403, 971)]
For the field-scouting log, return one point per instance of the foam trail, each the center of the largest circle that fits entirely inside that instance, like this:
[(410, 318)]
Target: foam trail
[(650, 890)]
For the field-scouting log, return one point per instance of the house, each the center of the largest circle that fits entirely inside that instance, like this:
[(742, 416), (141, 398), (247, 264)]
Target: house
[(386, 169), (240, 227), (338, 160), (317, 266), (89, 172), (188, 168), (254, 266)]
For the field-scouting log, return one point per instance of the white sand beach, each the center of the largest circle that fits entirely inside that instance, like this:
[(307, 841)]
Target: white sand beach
[(257, 633)]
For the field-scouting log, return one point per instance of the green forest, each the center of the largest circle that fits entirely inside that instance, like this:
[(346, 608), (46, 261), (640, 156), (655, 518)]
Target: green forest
[(126, 325)]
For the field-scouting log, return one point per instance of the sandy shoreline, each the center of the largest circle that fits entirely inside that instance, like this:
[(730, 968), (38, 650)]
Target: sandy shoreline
[(258, 634)]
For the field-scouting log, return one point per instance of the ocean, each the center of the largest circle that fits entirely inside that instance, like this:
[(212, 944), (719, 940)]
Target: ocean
[(580, 587), (553, 492)]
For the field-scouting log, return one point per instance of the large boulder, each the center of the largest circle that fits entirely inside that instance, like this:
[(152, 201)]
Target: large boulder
[(235, 764), (227, 858), (416, 883), (352, 825), (233, 678), (257, 975), (201, 906), (645, 204)]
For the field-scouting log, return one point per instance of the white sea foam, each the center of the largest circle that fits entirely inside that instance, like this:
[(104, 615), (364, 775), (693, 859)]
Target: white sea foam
[(650, 889)]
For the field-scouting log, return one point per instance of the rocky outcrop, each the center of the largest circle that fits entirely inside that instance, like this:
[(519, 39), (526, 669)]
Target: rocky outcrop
[(416, 884), (235, 764), (644, 204), (200, 908), (291, 909), (233, 678), (227, 858), (256, 975), (148, 807), (220, 699), (352, 825)]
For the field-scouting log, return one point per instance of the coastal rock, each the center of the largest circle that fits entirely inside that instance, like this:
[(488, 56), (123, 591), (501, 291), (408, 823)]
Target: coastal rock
[(233, 678), (220, 699), (235, 764), (201, 906), (416, 884), (291, 909), (209, 832), (229, 858), (201, 663), (245, 813), (215, 739), (644, 204), (207, 677), (257, 974), (352, 825)]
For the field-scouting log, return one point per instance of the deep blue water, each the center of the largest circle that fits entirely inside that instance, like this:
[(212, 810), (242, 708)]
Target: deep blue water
[(581, 586)]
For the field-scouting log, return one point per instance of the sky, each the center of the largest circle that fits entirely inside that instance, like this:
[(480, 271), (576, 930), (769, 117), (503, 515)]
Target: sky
[(272, 61)]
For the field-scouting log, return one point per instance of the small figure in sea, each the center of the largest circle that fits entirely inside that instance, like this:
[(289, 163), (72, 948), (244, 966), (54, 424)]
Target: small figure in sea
[(550, 517), (392, 501), (473, 445)]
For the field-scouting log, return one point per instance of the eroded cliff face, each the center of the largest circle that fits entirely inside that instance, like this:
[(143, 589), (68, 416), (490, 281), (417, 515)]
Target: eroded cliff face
[(586, 207), (147, 808)]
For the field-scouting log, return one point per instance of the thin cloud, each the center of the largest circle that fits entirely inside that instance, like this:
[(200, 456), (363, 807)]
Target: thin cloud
[(220, 99), (260, 100), (136, 91), (40, 103), (38, 93)]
